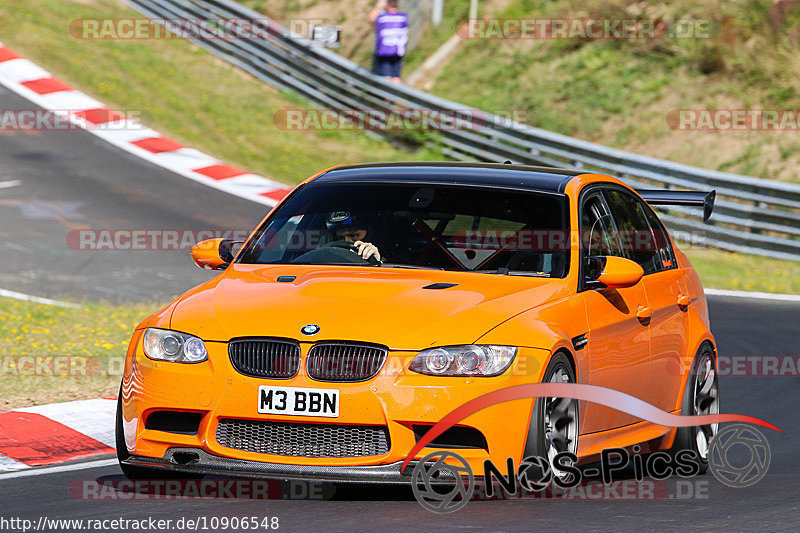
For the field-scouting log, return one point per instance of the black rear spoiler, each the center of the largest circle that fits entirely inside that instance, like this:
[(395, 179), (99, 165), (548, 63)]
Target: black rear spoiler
[(665, 197)]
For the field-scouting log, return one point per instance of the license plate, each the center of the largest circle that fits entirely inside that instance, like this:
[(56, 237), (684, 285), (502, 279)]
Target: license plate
[(298, 401)]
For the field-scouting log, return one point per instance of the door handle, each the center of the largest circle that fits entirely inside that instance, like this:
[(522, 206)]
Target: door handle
[(644, 313), (683, 301)]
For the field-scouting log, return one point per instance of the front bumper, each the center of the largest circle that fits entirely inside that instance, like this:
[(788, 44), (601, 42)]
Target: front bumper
[(207, 463), (396, 399)]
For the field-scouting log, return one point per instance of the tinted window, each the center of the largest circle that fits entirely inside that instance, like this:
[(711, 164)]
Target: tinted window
[(663, 244), (639, 241), (412, 225), (598, 231)]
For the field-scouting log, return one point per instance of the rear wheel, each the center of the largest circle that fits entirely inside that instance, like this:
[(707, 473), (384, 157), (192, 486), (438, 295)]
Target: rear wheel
[(701, 397), (554, 424)]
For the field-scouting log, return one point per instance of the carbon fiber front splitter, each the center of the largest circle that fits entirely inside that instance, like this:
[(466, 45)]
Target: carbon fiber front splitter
[(197, 461)]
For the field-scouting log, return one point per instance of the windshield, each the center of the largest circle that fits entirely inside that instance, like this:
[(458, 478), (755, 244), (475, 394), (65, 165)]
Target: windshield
[(446, 227)]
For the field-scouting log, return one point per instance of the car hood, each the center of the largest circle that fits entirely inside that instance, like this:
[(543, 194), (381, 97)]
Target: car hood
[(386, 306)]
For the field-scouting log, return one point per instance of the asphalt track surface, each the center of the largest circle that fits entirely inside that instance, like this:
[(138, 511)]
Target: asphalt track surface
[(95, 185), (72, 180)]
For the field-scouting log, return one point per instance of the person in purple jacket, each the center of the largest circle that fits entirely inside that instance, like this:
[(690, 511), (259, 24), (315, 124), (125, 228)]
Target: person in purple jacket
[(391, 36)]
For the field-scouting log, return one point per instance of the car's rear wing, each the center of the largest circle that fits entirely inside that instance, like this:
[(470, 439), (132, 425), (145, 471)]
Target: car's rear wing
[(665, 197)]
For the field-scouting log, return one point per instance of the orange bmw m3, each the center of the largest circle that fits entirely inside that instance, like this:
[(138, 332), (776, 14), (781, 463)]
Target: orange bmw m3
[(376, 299)]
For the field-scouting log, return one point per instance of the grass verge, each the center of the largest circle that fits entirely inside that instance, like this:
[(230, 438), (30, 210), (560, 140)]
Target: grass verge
[(52, 354), (719, 269)]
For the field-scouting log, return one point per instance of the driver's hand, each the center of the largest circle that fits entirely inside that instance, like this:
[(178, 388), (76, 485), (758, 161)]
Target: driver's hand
[(367, 250)]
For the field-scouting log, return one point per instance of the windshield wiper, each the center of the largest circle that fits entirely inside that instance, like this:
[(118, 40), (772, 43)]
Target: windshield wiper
[(414, 267), (505, 272), (325, 264)]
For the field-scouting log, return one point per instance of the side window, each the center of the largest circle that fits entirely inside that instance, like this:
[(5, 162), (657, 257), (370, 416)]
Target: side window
[(598, 234), (639, 241), (663, 245)]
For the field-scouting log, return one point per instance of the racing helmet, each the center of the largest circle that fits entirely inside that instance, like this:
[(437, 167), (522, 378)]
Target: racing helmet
[(342, 220)]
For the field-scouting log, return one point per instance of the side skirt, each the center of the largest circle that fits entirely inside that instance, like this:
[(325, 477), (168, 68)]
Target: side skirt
[(649, 436)]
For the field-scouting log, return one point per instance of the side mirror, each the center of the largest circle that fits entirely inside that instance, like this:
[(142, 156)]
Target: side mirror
[(613, 272), (213, 254)]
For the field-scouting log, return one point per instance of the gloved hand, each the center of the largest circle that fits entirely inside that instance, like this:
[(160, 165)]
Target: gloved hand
[(367, 250)]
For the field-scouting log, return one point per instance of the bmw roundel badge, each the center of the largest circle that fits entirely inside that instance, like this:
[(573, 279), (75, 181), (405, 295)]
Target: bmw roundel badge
[(310, 329)]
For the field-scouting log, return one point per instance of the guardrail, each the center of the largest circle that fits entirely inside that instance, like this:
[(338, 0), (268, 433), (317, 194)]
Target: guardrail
[(752, 215)]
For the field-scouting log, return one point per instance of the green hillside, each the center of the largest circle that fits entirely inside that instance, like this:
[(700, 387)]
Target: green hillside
[(622, 92)]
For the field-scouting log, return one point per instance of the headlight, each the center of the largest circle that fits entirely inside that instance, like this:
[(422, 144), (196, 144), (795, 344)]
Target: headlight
[(166, 345), (464, 360)]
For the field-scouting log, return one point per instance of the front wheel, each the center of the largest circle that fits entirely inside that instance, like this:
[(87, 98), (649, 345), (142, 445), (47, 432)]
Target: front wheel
[(554, 424), (701, 397)]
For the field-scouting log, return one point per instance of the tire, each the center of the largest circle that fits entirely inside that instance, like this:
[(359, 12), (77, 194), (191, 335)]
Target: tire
[(701, 397), (135, 473), (554, 423)]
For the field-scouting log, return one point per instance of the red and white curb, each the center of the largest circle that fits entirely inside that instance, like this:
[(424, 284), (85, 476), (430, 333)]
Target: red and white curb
[(55, 433), (39, 87)]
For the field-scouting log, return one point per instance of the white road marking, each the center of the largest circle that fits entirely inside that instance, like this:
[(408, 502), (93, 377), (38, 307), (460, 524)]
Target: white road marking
[(7, 463), (70, 101), (126, 136), (105, 290), (29, 298), (21, 70), (252, 183), (10, 183), (17, 247), (187, 159), (754, 295), (62, 468)]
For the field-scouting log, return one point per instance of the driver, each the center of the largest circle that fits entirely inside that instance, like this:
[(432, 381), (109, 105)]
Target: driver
[(350, 228)]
